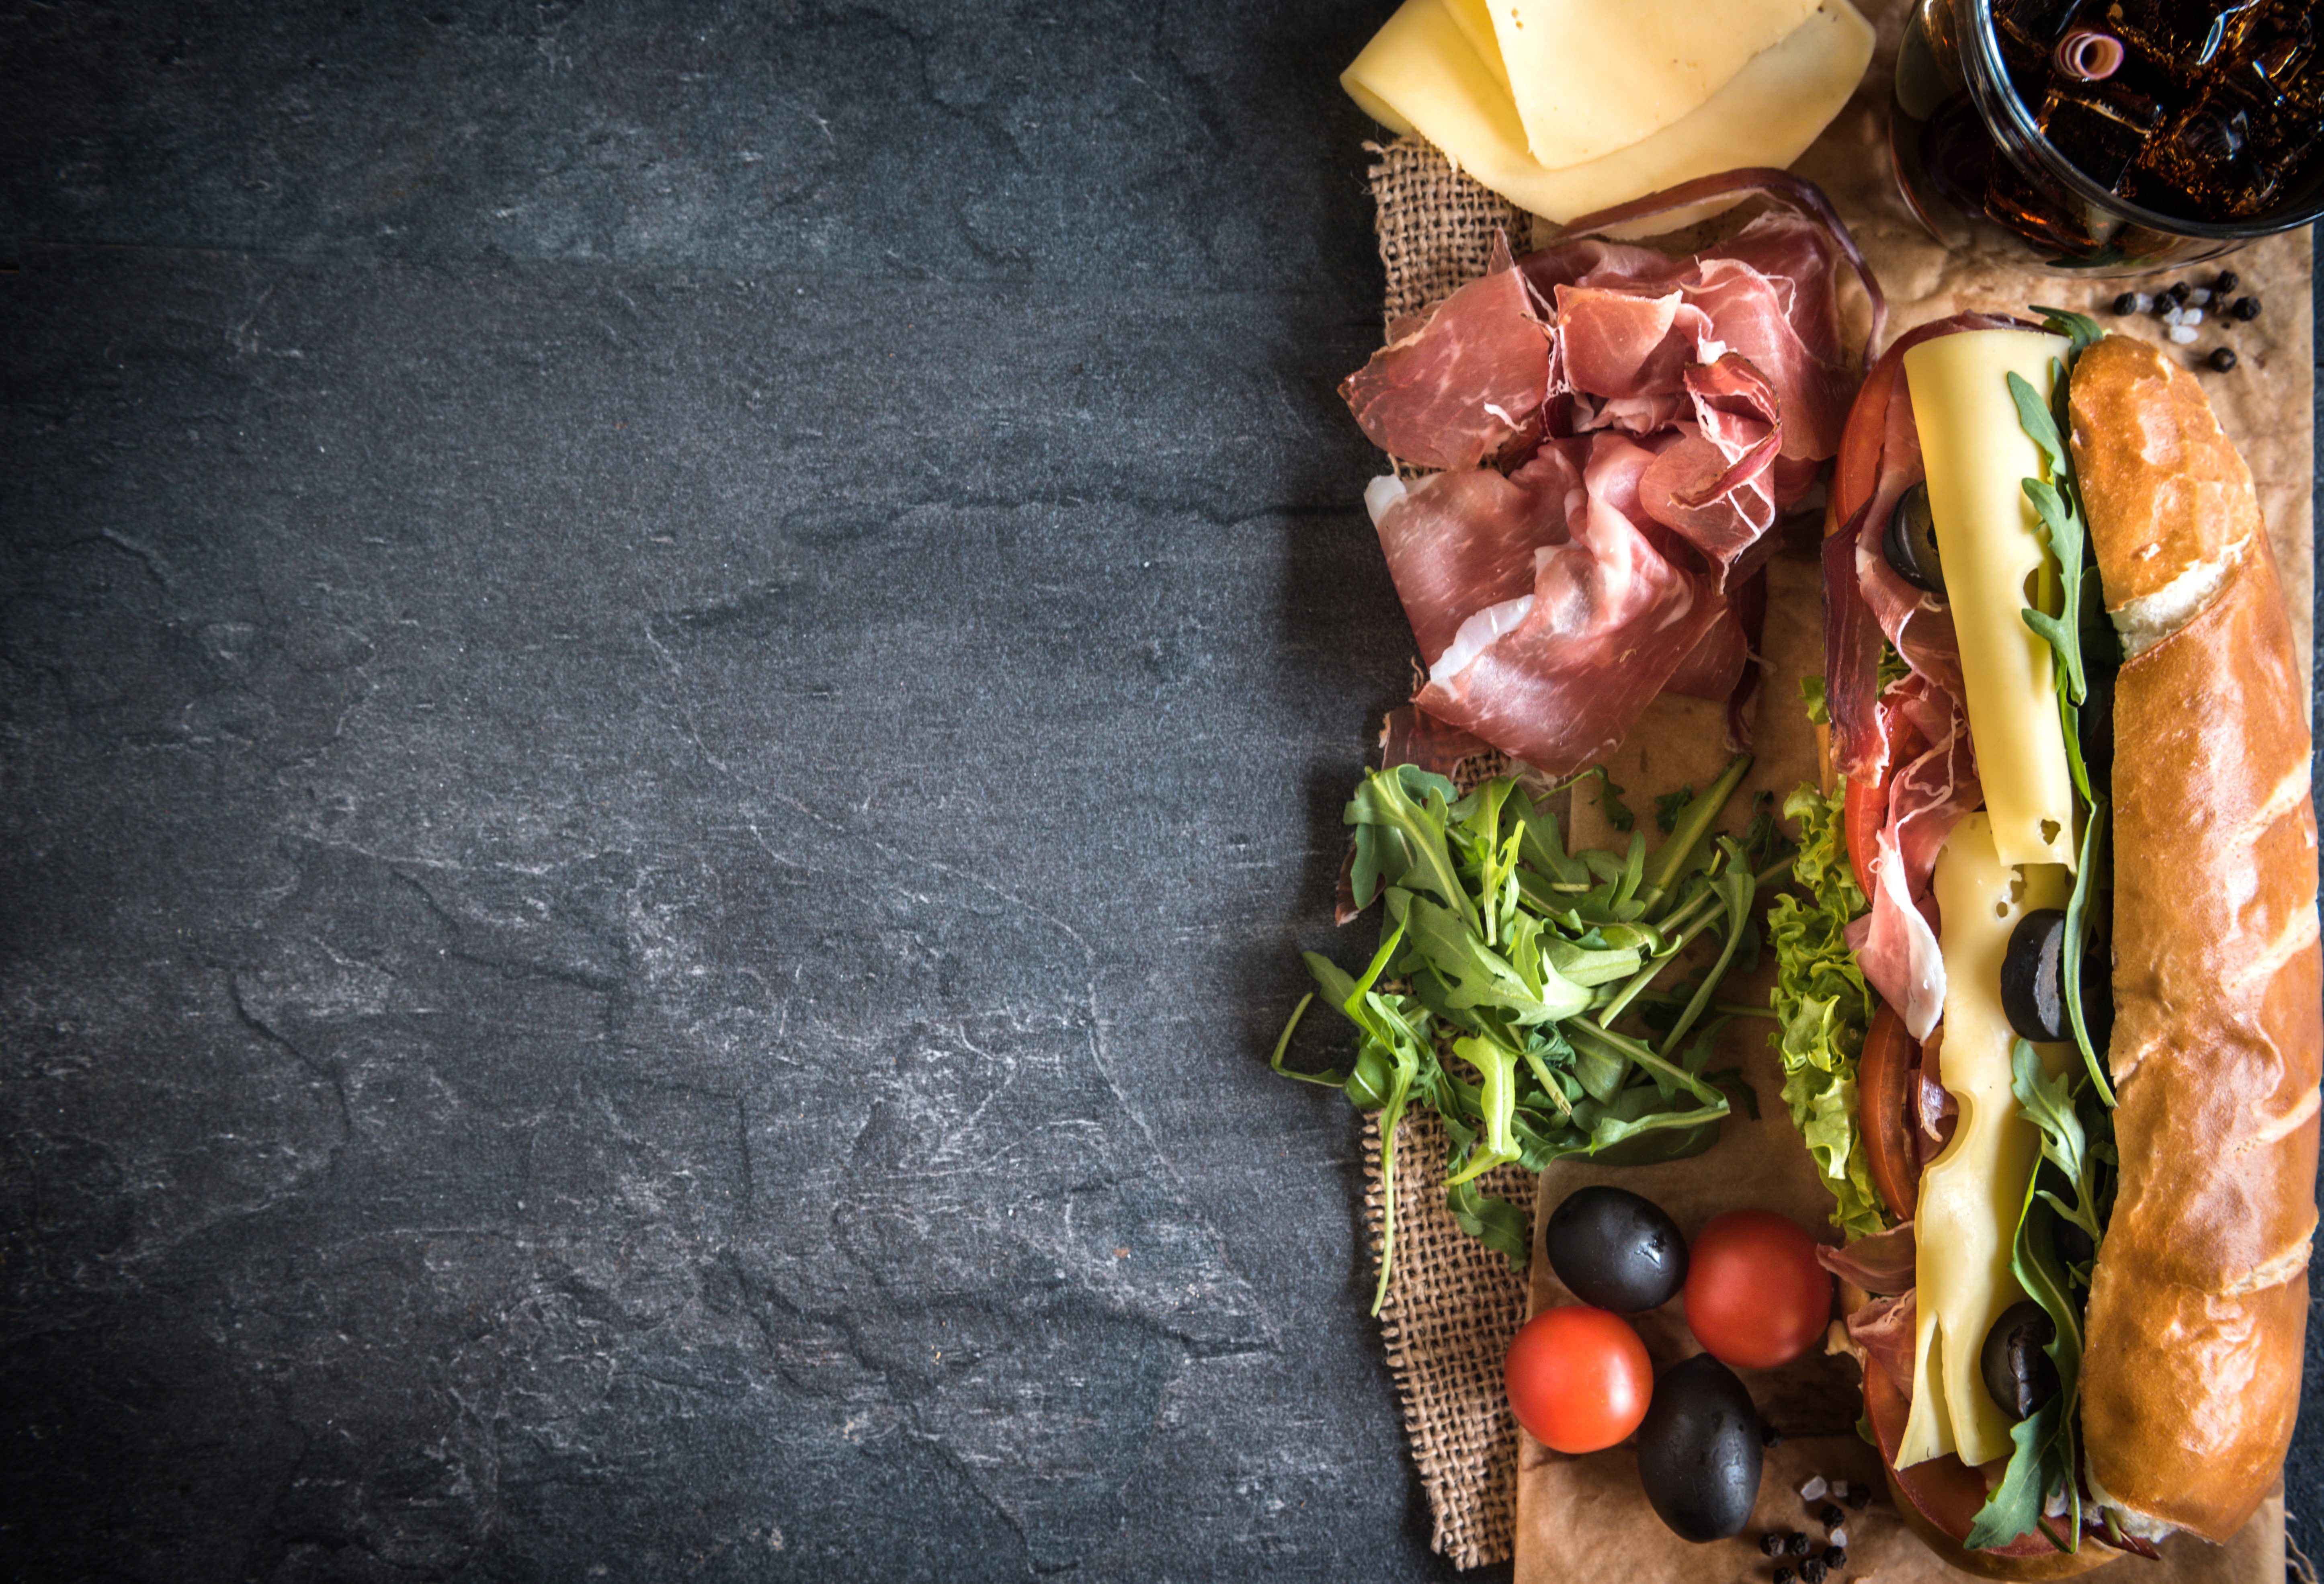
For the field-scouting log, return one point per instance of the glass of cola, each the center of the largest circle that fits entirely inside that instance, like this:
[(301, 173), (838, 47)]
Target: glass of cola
[(2110, 136)]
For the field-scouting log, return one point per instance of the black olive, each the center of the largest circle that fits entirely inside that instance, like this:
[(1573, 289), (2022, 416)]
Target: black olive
[(2032, 989), (2094, 727), (1699, 1454), (2017, 1372), (1616, 1250), (2073, 1245), (1911, 542)]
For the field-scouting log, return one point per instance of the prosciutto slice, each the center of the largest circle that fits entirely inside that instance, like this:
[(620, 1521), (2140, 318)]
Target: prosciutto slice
[(1883, 1263), (1618, 431), (1610, 620), (1895, 943), (1884, 1329), (1464, 381)]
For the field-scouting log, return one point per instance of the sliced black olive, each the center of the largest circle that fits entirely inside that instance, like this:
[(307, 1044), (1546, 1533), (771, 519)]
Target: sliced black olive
[(1699, 1454), (2017, 1372), (2033, 987), (1616, 1250), (1911, 542)]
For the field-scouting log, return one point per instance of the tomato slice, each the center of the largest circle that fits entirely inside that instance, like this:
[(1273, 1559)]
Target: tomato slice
[(1883, 1094), (1863, 810)]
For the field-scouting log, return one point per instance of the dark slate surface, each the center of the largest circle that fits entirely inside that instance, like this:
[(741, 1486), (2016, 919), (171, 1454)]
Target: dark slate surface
[(675, 681)]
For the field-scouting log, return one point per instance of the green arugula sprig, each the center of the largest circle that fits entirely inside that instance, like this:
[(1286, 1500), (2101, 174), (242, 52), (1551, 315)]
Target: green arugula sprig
[(2077, 1156), (2079, 634), (1513, 991)]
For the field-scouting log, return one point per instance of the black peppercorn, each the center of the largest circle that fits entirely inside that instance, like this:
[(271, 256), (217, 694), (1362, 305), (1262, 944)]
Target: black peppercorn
[(1813, 1570), (1832, 1517), (1783, 1576), (2227, 281), (1799, 1544), (2245, 309), (1835, 1558), (1770, 1437), (2127, 303), (1859, 1497), (2222, 358), (2176, 291), (1774, 1542)]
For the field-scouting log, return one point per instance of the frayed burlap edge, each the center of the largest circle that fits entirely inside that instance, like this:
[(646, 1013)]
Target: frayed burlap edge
[(1437, 225), (1452, 1305)]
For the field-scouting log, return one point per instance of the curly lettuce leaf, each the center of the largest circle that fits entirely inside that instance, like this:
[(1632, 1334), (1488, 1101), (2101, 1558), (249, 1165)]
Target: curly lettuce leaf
[(1823, 1007)]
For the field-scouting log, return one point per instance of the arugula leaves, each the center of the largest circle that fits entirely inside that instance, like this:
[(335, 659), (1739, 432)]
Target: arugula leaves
[(1513, 990), (2044, 1463), (2057, 502)]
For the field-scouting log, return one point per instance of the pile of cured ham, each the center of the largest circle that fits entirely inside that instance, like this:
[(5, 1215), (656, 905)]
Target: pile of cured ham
[(1594, 444)]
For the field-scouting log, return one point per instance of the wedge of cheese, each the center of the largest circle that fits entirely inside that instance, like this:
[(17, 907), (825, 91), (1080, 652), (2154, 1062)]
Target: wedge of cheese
[(1420, 73), (1593, 76), (1989, 541), (1972, 1193)]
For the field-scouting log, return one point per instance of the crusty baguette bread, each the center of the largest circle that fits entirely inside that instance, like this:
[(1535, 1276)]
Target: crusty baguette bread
[(2199, 1304)]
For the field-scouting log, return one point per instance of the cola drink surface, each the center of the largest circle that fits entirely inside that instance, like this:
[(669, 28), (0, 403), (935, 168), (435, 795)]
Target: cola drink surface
[(2191, 124)]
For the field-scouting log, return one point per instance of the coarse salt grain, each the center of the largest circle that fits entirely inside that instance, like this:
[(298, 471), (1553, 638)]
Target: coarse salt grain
[(1840, 1538), (2141, 303), (2174, 315), (1814, 1489), (2199, 297), (2184, 335)]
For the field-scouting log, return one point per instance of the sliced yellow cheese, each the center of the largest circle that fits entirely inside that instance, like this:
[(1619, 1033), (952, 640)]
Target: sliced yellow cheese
[(1421, 74), (1971, 1195), (1995, 565), (1593, 76), (1475, 19)]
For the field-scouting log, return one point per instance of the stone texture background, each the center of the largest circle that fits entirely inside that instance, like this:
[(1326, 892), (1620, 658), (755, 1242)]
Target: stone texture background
[(674, 681)]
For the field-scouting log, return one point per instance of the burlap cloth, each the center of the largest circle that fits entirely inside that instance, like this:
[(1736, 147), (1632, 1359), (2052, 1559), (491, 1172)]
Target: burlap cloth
[(1452, 1305)]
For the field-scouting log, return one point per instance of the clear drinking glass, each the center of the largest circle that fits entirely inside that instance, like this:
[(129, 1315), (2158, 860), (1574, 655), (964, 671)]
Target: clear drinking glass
[(2110, 136)]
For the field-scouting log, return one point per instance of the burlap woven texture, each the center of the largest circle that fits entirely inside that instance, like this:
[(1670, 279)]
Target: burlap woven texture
[(1453, 1303)]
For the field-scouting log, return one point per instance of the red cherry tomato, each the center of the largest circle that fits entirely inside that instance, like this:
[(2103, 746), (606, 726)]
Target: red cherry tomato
[(1578, 1379), (1755, 1296), (1884, 1089)]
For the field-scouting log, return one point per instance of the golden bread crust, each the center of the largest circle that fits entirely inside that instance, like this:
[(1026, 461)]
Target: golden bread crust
[(2198, 1305), (2165, 487)]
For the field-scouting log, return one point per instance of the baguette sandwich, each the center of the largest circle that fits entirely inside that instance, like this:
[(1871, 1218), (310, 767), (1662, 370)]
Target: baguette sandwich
[(2051, 1008)]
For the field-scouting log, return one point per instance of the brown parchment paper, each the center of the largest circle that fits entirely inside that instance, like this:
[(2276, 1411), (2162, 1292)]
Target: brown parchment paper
[(1452, 1304)]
